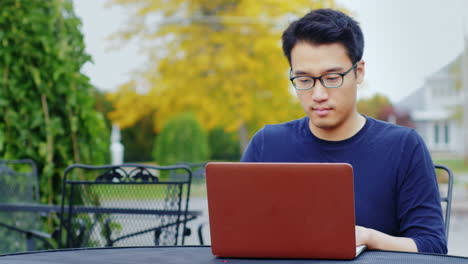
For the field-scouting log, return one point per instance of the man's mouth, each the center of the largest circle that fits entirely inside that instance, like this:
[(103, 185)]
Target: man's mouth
[(322, 111)]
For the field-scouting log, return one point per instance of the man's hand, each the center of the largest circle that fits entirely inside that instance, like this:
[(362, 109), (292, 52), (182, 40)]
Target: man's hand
[(374, 239), (362, 236)]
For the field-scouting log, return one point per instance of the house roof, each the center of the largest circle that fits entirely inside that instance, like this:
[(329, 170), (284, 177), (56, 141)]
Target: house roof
[(413, 102), (416, 101)]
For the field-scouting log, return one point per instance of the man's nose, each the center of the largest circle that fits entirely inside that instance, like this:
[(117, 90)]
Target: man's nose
[(319, 92)]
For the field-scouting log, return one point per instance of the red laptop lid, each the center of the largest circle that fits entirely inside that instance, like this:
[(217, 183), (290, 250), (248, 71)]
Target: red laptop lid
[(281, 210)]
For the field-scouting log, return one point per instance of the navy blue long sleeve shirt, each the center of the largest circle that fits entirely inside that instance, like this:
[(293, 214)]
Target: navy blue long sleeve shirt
[(396, 190)]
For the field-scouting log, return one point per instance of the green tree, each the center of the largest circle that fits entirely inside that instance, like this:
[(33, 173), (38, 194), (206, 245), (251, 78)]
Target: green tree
[(102, 105), (223, 145), (46, 103), (181, 140), (138, 141), (374, 106), (220, 59)]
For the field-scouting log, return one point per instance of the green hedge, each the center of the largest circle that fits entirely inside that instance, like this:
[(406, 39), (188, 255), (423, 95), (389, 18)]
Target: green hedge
[(46, 103), (181, 140)]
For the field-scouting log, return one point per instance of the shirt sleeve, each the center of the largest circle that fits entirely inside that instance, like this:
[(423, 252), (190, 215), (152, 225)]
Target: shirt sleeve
[(254, 150), (419, 208)]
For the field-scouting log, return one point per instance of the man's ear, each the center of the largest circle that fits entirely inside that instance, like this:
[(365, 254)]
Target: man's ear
[(360, 71)]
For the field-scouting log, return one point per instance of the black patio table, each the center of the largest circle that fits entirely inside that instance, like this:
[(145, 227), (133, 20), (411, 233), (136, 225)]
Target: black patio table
[(201, 255)]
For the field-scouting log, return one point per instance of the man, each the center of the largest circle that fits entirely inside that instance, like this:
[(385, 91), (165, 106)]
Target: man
[(396, 194)]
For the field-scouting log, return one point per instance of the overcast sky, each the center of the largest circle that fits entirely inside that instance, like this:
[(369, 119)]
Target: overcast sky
[(406, 41)]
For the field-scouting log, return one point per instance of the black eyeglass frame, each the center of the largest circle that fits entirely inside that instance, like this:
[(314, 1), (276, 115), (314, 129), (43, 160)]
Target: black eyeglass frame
[(320, 78)]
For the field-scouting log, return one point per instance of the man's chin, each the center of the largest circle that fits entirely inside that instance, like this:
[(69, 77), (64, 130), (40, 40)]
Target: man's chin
[(323, 123)]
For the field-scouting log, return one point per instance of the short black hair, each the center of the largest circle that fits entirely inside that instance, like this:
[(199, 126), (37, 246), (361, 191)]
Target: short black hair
[(325, 26)]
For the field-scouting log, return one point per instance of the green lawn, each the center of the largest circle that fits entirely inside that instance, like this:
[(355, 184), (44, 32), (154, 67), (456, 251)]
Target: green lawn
[(142, 192), (198, 189), (455, 165)]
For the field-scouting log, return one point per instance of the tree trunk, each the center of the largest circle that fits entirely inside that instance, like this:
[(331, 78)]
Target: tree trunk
[(49, 136), (243, 137), (49, 147), (76, 154)]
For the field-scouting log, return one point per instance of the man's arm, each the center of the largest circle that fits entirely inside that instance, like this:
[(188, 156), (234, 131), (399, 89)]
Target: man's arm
[(418, 200), (374, 239)]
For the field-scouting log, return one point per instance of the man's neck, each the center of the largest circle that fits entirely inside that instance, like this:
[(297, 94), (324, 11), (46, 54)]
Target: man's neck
[(346, 130)]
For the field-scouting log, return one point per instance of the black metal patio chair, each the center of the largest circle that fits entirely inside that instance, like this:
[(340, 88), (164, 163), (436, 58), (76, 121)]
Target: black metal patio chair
[(124, 205), (19, 189), (197, 168), (445, 180)]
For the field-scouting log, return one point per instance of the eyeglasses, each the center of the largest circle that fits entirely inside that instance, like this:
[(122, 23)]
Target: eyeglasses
[(329, 80)]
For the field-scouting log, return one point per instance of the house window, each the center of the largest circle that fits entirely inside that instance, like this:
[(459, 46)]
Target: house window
[(436, 133)]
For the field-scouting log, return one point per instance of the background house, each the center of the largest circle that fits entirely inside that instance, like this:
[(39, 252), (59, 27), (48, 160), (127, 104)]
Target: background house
[(436, 109)]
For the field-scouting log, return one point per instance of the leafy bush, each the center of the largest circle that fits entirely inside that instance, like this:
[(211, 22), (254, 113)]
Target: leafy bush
[(181, 140), (47, 104)]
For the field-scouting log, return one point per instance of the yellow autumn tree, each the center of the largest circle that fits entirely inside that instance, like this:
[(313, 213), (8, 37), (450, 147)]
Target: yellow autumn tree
[(219, 59)]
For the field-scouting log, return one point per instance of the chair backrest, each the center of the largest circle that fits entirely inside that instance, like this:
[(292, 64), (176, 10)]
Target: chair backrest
[(18, 185), (445, 180), (197, 168), (124, 205)]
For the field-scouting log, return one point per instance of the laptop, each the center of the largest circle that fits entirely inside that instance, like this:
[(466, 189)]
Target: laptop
[(281, 210)]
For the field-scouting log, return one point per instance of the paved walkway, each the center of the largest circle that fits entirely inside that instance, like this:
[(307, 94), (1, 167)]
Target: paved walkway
[(200, 204)]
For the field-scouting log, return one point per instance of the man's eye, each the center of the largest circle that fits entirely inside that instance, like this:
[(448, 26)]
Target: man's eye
[(303, 80), (331, 79)]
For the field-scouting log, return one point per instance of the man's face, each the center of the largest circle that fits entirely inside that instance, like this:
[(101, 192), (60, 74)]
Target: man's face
[(328, 108)]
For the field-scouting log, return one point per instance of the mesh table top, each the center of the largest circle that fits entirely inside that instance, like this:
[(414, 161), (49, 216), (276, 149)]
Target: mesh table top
[(196, 255)]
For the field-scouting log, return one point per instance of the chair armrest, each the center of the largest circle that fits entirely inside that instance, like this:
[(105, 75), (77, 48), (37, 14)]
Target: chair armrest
[(31, 234), (200, 234)]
